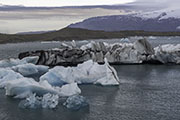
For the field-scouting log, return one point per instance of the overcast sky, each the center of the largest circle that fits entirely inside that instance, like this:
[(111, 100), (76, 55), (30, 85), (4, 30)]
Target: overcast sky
[(14, 21), (63, 2), (52, 3)]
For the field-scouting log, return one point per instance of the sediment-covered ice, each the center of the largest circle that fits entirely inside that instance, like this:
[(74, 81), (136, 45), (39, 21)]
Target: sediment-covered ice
[(76, 102), (87, 72), (168, 53)]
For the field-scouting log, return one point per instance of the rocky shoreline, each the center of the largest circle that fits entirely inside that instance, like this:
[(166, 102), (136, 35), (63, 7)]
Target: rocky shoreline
[(139, 52)]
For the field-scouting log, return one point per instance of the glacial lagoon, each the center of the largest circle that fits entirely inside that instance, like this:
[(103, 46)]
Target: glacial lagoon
[(146, 92)]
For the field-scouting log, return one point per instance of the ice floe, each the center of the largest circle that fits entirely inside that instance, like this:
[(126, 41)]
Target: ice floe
[(76, 102), (46, 101)]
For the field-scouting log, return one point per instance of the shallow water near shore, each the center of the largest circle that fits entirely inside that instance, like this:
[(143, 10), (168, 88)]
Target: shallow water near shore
[(146, 92)]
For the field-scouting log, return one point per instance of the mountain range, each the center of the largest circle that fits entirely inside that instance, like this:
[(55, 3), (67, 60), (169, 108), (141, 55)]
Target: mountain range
[(159, 21)]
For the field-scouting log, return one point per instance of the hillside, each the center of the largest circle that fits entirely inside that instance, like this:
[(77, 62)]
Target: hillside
[(78, 34), (159, 21)]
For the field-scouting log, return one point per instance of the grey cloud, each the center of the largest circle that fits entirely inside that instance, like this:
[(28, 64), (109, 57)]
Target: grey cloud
[(168, 3)]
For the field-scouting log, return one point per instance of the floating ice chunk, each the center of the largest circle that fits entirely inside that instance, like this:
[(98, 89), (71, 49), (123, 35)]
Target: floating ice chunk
[(32, 59), (69, 89), (21, 88), (168, 53), (33, 101), (30, 69), (15, 62), (50, 101), (88, 72), (57, 76), (8, 75), (10, 63), (111, 77), (152, 37), (125, 40), (76, 102)]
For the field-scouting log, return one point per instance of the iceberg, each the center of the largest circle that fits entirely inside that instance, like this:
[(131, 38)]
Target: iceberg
[(32, 59), (33, 102), (23, 87), (168, 53), (87, 72), (15, 62), (76, 102), (8, 75), (121, 53), (69, 90), (50, 101), (111, 77), (30, 69)]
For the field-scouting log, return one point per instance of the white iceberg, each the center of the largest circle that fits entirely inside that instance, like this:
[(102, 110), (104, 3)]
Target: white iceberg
[(76, 102), (32, 59), (111, 77), (15, 62), (23, 87), (69, 90), (30, 69), (8, 75), (87, 72)]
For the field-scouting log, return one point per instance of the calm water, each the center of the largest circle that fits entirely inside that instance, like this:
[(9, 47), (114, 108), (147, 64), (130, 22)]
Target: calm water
[(146, 92)]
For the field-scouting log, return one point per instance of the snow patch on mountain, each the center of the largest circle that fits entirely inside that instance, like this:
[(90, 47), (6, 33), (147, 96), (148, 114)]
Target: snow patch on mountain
[(161, 14)]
